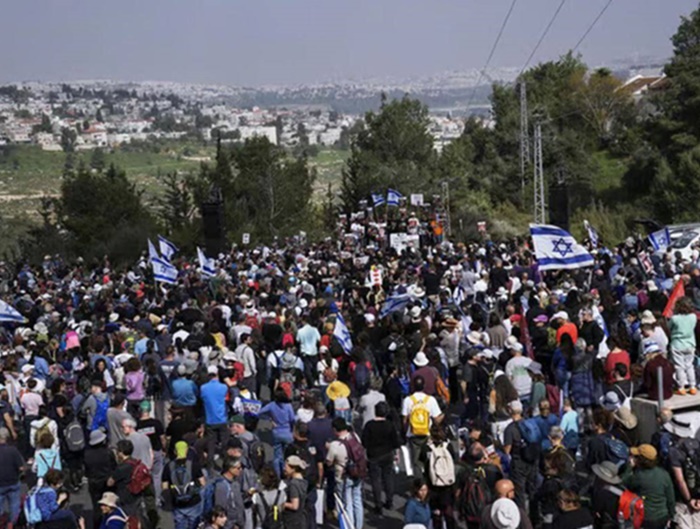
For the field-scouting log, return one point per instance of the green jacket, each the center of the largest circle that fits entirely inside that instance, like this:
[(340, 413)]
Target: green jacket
[(655, 487)]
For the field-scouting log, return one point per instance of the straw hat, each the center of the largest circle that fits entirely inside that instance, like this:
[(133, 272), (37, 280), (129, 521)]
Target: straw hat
[(337, 389), (626, 418)]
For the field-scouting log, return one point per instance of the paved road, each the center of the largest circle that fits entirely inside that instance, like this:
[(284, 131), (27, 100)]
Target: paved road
[(389, 520)]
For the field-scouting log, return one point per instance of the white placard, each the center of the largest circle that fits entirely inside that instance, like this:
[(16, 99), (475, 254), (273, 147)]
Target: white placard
[(400, 241), (246, 238), (417, 199)]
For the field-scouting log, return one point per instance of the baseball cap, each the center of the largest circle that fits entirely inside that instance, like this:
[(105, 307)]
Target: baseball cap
[(646, 451)]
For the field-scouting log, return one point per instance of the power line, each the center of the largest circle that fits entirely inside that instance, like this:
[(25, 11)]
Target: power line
[(493, 50), (590, 28), (544, 34)]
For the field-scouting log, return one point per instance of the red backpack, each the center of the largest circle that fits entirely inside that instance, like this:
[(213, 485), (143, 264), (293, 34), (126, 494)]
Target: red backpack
[(140, 477), (356, 467)]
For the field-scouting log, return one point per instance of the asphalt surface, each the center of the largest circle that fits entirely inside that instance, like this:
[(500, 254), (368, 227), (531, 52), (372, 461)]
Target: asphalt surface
[(81, 504)]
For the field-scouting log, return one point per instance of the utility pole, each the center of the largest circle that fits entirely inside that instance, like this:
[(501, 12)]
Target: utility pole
[(524, 138), (538, 182)]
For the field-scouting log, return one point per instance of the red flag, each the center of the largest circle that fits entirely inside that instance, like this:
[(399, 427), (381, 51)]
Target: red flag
[(677, 293)]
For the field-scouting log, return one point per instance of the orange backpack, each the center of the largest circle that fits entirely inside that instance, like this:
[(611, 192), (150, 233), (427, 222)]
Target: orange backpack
[(630, 509)]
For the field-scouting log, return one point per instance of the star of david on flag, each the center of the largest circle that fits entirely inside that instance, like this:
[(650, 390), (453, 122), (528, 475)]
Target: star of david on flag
[(556, 249)]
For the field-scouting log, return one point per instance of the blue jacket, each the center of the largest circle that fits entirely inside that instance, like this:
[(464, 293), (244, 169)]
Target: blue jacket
[(417, 512)]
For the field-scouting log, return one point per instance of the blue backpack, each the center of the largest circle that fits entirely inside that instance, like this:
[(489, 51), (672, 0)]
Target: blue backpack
[(99, 420), (209, 494), (530, 431), (616, 451), (32, 513)]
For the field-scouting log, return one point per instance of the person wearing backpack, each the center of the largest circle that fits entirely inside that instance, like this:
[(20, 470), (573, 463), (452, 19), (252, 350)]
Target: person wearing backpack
[(47, 503), (46, 457), (294, 515), (281, 412), (42, 425), (182, 483), (419, 411), (126, 482), (652, 483), (683, 462), (273, 495), (95, 407), (348, 458), (521, 441), (72, 437), (439, 466), (476, 490), (300, 447)]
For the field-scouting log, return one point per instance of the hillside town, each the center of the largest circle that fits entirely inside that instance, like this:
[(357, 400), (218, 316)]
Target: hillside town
[(61, 117)]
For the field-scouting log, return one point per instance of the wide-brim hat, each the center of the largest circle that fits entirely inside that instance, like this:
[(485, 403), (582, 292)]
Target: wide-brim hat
[(97, 437), (421, 359), (607, 471), (474, 337), (678, 427), (625, 417), (337, 390), (109, 499)]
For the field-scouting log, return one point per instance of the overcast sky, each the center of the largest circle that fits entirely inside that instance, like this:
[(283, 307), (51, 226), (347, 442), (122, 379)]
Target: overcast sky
[(253, 42)]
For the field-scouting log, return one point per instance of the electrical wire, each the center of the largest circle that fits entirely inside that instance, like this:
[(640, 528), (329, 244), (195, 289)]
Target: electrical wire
[(590, 28), (544, 34), (493, 50)]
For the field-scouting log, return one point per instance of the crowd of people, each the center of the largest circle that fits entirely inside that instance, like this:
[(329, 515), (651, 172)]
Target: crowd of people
[(451, 385)]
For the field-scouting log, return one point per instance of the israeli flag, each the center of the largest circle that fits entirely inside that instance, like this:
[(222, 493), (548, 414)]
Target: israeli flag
[(167, 249), (152, 252), (556, 249), (378, 199), (393, 197), (207, 264), (9, 314), (342, 334), (394, 303), (163, 271), (592, 234), (660, 240)]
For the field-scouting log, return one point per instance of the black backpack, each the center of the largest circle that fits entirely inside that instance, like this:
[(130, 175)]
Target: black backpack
[(183, 487), (475, 496), (273, 513), (691, 463)]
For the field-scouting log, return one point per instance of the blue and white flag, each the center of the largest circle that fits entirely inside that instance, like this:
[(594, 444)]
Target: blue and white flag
[(660, 240), (393, 197), (342, 334), (207, 264), (394, 303), (163, 271), (9, 314), (152, 252), (378, 199), (167, 249), (556, 249), (592, 234)]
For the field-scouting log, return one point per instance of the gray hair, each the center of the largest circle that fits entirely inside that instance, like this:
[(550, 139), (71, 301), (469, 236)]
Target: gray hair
[(555, 432), (4, 434), (129, 422)]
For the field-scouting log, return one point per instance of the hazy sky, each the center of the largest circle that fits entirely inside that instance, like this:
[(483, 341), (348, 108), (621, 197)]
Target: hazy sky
[(252, 42)]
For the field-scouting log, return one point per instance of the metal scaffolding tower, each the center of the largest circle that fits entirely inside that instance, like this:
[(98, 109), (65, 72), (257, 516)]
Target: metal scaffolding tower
[(538, 182), (524, 137)]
